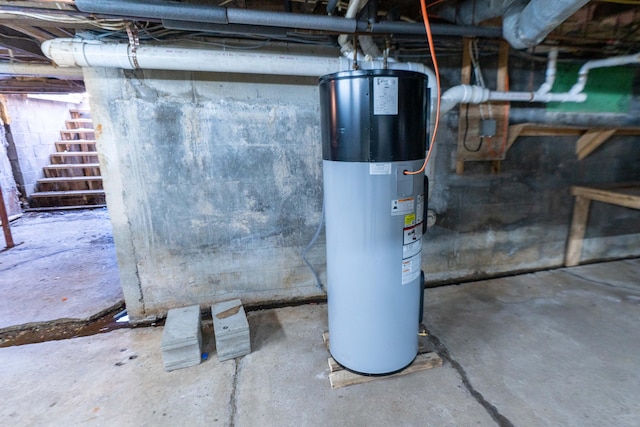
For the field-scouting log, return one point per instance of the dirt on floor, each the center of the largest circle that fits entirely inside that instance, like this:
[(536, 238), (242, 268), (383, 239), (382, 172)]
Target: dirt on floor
[(61, 275)]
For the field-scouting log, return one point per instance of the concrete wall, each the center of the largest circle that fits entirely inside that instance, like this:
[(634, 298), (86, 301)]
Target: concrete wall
[(35, 127), (214, 188)]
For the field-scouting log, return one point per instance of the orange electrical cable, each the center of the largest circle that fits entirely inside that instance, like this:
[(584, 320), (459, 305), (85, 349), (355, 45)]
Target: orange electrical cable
[(427, 26)]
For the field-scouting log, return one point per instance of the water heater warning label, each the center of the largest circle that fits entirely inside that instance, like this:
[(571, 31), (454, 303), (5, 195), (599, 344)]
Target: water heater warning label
[(385, 96), (411, 268), (402, 206)]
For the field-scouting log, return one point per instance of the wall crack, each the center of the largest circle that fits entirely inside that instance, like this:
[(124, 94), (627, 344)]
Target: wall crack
[(443, 351), (234, 393)]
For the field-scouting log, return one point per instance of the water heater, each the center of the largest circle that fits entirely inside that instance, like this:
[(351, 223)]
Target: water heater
[(374, 129)]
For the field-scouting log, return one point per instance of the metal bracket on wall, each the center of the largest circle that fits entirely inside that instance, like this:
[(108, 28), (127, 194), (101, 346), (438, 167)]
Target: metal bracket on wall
[(134, 43)]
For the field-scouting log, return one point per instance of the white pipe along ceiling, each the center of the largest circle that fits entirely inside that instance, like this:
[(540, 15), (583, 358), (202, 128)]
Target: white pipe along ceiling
[(92, 53), (525, 24)]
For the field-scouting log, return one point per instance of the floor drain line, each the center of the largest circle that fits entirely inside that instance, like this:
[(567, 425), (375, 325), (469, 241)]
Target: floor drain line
[(442, 350)]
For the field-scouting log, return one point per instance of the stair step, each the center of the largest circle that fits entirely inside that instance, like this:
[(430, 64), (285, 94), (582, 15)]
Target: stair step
[(74, 153), (79, 130), (79, 123), (76, 166), (68, 193), (76, 141), (65, 179)]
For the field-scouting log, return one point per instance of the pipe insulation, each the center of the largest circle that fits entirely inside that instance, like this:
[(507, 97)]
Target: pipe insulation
[(195, 13), (524, 23), (527, 26)]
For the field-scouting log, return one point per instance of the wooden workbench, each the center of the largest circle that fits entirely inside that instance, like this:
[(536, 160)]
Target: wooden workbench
[(627, 195)]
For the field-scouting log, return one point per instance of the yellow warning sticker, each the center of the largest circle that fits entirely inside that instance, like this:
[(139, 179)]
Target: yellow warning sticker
[(410, 220)]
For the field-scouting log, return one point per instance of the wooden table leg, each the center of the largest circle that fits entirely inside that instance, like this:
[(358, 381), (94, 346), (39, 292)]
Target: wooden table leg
[(578, 228)]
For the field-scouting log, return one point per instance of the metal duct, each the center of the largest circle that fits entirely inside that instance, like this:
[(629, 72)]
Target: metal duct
[(528, 26), (524, 24)]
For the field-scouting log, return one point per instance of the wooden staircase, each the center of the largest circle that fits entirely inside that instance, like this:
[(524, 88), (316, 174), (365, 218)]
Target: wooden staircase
[(73, 177)]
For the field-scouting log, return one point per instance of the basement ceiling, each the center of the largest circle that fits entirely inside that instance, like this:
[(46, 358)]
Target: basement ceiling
[(598, 29)]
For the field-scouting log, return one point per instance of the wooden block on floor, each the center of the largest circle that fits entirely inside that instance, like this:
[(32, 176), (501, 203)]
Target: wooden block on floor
[(344, 378), (340, 377)]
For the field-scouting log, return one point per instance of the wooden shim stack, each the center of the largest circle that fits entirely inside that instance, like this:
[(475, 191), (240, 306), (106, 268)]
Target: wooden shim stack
[(340, 377)]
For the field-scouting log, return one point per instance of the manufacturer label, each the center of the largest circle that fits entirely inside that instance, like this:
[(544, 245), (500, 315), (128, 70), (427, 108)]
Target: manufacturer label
[(379, 168), (385, 96), (402, 206), (411, 268), (411, 249)]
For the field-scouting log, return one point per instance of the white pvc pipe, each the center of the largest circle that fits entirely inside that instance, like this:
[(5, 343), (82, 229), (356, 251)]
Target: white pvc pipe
[(40, 70), (71, 53), (535, 97), (462, 94), (85, 53), (343, 39), (467, 94), (550, 74), (81, 53), (601, 63)]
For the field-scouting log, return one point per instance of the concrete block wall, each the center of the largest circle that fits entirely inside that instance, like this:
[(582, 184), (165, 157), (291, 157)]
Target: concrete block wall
[(214, 185), (35, 126)]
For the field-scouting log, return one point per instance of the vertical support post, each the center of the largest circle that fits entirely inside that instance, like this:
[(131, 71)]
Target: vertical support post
[(502, 84), (6, 228), (465, 79), (578, 229)]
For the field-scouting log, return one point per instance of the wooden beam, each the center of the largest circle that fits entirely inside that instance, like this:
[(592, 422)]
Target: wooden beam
[(612, 197), (16, 40), (514, 133), (590, 135), (578, 228), (465, 79), (591, 140), (503, 108), (33, 32), (6, 228)]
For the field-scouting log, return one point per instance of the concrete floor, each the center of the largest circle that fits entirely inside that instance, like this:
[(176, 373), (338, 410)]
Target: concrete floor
[(62, 267), (550, 348)]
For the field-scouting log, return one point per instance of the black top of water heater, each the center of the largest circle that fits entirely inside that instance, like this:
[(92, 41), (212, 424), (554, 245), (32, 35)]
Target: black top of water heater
[(374, 115)]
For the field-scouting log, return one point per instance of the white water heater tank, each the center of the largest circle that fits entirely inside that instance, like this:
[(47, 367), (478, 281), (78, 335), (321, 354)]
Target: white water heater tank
[(374, 128)]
